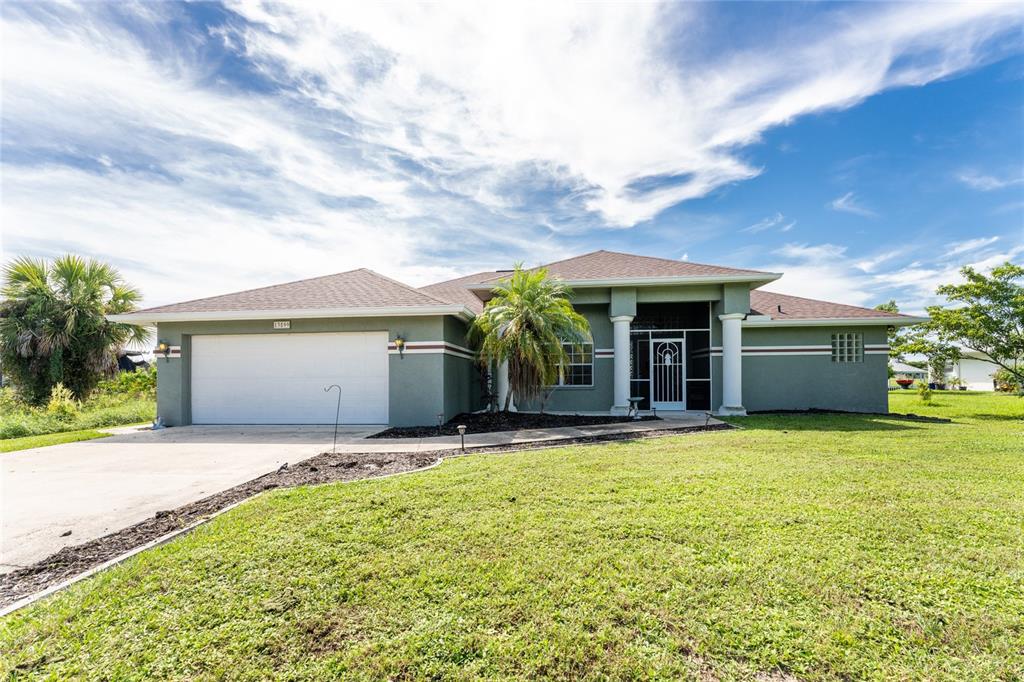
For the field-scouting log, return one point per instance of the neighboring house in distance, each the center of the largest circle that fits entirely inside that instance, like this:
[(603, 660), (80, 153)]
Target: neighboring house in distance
[(902, 369), (975, 370), (677, 335)]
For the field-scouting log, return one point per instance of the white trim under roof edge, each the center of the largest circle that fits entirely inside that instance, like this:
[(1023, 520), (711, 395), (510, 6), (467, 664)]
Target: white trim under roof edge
[(143, 317), (768, 321)]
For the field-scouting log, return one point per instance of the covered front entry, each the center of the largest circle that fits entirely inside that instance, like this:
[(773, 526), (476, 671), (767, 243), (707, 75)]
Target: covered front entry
[(670, 356), (280, 378)]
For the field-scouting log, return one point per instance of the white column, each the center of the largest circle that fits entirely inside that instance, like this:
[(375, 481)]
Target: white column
[(501, 386), (732, 364), (620, 340)]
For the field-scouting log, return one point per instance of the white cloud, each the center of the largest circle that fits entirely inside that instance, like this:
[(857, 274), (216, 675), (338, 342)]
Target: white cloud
[(848, 203), (825, 271), (764, 224), (969, 245), (592, 90), (987, 183), (420, 140), (871, 263)]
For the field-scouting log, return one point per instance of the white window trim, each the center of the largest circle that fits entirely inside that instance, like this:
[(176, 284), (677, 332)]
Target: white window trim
[(561, 373)]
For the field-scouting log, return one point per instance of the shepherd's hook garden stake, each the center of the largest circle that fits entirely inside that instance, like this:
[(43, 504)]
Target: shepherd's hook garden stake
[(337, 416)]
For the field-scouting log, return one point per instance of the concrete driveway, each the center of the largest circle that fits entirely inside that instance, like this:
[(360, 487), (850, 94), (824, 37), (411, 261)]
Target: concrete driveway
[(96, 487)]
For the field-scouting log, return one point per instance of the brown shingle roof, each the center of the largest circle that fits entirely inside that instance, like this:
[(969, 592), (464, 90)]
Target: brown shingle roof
[(456, 290), (614, 265), (353, 289), (797, 308)]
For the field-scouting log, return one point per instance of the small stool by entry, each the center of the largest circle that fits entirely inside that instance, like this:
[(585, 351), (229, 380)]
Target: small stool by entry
[(634, 407)]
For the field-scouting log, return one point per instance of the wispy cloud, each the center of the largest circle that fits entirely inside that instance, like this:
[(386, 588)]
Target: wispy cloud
[(764, 224), (826, 271), (291, 140), (957, 248), (848, 203), (987, 183)]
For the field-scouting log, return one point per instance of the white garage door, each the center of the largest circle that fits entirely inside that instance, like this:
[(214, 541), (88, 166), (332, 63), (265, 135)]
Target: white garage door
[(280, 378)]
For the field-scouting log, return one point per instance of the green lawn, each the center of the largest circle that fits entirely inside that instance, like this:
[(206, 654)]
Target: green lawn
[(12, 444), (824, 547)]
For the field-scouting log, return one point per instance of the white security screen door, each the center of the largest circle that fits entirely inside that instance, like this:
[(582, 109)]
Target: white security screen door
[(668, 374), (280, 378)]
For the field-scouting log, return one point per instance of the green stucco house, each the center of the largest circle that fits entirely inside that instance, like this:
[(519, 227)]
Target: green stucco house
[(670, 335)]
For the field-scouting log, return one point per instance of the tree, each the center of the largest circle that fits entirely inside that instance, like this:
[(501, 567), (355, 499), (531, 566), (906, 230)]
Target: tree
[(897, 336), (53, 325), (990, 319), (526, 324)]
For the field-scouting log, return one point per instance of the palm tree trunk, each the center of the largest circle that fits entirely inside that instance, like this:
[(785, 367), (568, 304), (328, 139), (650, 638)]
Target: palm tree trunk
[(508, 399)]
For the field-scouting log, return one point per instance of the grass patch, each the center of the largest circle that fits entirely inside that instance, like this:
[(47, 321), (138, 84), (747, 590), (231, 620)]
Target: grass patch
[(100, 411), (826, 547), (12, 444)]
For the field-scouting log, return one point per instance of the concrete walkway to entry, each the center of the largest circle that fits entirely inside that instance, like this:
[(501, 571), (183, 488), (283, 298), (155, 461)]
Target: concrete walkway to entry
[(92, 488)]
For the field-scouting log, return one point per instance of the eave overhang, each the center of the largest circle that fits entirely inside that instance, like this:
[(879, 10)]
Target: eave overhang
[(768, 321), (143, 317), (755, 280)]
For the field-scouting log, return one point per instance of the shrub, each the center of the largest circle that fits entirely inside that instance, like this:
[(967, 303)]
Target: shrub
[(924, 392), (62, 405), (139, 382), (1006, 381), (9, 402)]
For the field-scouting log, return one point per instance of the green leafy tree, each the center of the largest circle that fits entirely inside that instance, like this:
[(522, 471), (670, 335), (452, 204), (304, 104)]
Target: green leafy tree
[(525, 324), (53, 324), (990, 317)]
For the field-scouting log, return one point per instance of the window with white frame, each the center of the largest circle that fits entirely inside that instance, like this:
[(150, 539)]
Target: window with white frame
[(579, 367), (848, 347)]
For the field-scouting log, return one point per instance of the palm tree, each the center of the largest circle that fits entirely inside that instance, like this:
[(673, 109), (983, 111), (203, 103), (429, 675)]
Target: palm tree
[(53, 325), (526, 324)]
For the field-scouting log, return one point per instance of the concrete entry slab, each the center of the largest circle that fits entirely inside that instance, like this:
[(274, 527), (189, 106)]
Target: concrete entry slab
[(95, 487)]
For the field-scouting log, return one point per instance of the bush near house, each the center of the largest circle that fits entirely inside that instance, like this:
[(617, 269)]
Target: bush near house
[(127, 398)]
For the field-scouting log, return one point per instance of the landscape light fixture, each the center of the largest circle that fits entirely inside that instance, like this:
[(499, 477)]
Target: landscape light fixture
[(462, 435)]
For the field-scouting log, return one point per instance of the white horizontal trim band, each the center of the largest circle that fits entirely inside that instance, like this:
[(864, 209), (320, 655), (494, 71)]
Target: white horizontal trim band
[(765, 321), (431, 351), (428, 347)]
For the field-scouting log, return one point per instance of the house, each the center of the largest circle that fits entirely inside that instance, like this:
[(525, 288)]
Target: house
[(677, 335), (902, 369), (975, 370)]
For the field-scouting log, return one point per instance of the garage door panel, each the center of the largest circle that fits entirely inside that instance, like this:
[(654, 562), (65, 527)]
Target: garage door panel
[(280, 378)]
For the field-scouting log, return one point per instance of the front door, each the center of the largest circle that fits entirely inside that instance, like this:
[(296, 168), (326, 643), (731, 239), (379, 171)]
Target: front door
[(668, 374)]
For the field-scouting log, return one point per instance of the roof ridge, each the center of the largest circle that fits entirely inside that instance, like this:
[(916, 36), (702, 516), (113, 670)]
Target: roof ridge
[(677, 262), (456, 279), (564, 260), (248, 291), (404, 286)]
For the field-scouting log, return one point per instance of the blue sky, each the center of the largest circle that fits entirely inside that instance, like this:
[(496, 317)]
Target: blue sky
[(866, 150)]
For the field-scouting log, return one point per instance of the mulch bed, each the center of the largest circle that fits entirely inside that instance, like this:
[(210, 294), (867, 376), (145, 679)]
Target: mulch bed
[(489, 422), (910, 416), (325, 468)]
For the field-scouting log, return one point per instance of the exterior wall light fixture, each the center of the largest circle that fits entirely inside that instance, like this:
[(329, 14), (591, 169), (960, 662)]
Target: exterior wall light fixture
[(400, 345), (164, 348)]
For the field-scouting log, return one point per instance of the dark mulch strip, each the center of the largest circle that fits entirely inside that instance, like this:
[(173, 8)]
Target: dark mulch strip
[(489, 422), (910, 416), (324, 468)]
